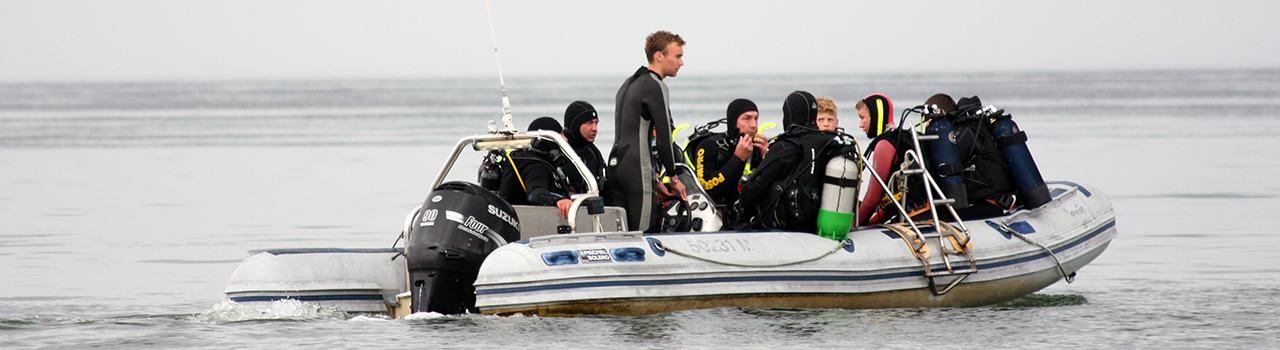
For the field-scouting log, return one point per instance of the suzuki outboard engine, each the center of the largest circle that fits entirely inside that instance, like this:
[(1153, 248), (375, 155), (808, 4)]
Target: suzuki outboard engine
[(458, 226)]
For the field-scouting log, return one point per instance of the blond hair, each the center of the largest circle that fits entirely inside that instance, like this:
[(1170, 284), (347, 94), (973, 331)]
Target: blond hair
[(658, 41), (825, 104)]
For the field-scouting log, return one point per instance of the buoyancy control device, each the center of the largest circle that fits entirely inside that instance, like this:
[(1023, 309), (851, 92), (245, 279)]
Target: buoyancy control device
[(945, 163), (458, 226), (1012, 142), (840, 186)]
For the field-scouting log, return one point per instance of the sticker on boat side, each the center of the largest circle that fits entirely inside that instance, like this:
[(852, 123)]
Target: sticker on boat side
[(594, 255)]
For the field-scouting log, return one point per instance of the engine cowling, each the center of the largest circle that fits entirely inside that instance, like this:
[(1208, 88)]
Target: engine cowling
[(458, 226)]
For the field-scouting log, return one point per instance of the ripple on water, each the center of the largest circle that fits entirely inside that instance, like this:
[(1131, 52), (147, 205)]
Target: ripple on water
[(281, 310)]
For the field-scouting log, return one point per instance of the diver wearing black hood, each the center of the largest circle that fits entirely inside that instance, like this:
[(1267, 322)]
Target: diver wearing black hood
[(580, 127), (791, 153), (721, 160), (537, 178)]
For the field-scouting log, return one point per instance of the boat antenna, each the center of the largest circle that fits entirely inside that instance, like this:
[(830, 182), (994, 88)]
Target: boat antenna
[(508, 124)]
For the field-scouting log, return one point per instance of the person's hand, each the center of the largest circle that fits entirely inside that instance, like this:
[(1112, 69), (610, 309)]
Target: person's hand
[(564, 205), (745, 145), (761, 143), (662, 191), (678, 187)]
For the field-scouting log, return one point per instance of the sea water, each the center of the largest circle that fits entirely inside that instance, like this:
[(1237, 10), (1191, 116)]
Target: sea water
[(124, 207)]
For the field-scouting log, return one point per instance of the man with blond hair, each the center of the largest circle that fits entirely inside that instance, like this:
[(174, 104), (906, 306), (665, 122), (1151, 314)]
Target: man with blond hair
[(827, 120), (642, 162)]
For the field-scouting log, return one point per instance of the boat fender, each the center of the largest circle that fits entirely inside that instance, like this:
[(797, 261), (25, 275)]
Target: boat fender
[(839, 197), (945, 163), (1032, 191)]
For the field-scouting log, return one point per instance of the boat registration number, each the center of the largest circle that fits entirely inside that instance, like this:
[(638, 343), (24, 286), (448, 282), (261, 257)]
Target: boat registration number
[(719, 245)]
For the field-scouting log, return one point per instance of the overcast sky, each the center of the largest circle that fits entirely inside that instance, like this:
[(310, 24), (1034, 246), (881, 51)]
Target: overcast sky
[(54, 40)]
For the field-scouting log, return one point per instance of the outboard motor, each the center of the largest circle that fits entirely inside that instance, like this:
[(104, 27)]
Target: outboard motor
[(458, 226), (1032, 191), (945, 163), (839, 197)]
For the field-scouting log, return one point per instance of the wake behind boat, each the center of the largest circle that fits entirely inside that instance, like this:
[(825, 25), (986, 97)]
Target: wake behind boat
[(467, 250)]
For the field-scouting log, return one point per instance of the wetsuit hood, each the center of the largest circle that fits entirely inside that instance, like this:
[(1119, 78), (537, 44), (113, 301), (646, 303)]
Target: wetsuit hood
[(800, 108), (881, 111), (736, 108), (578, 113), (548, 124)]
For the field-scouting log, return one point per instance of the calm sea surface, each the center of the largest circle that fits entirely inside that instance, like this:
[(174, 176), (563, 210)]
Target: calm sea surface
[(124, 207)]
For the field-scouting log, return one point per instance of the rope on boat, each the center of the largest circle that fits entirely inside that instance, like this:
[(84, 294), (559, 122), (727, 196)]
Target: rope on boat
[(1071, 277), (840, 244)]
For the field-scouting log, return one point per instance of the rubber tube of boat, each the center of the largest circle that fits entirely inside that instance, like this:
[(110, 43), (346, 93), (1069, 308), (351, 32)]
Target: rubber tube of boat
[(1032, 191), (945, 163), (458, 226), (839, 197)]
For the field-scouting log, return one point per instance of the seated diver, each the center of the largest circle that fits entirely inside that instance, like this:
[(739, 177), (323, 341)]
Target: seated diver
[(535, 177), (722, 159), (778, 195), (988, 186), (884, 153), (986, 190), (580, 127)]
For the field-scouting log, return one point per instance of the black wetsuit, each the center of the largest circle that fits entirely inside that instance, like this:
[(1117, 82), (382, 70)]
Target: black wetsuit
[(641, 109), (538, 182), (783, 159), (719, 170), (795, 151), (591, 157), (586, 150)]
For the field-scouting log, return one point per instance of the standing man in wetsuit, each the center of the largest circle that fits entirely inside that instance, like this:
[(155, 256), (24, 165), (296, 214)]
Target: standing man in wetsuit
[(642, 162)]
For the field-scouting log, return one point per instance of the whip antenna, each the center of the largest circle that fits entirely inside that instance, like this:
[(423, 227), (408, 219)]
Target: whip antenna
[(508, 124)]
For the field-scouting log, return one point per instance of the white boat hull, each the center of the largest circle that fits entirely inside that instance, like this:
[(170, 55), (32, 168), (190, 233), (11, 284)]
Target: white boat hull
[(351, 280), (874, 269), (768, 269)]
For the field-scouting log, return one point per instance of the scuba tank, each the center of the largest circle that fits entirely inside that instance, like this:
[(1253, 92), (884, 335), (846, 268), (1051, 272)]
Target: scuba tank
[(490, 174), (946, 163), (839, 197), (1032, 191)]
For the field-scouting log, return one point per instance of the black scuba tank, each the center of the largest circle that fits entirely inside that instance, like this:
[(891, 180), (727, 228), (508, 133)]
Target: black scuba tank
[(458, 226), (490, 173), (945, 163), (1032, 191)]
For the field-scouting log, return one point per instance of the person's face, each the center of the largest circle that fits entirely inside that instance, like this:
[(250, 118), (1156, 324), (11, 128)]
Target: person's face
[(588, 130), (747, 122), (827, 121), (864, 119), (669, 60)]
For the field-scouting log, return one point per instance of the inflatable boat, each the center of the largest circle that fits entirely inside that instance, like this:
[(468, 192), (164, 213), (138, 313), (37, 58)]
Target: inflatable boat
[(468, 251)]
